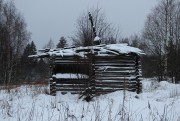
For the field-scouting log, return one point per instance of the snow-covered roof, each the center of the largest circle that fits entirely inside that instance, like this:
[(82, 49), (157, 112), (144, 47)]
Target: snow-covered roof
[(100, 50)]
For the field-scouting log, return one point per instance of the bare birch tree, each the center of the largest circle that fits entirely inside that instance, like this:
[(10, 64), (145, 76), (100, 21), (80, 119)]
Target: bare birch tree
[(161, 28), (13, 37), (84, 33)]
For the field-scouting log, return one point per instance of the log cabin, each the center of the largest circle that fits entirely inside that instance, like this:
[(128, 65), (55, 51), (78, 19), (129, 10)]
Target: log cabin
[(94, 70)]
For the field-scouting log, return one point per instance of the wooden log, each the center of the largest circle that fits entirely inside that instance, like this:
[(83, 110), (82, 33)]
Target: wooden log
[(52, 87), (110, 86), (120, 57), (69, 89), (72, 81), (108, 90), (70, 62), (114, 64), (116, 61), (111, 68), (82, 86), (114, 78), (111, 74), (110, 82), (117, 67)]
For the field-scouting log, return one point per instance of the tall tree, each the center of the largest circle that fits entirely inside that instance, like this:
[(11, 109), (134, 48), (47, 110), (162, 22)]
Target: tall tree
[(13, 38), (62, 43), (161, 28), (28, 65), (84, 33)]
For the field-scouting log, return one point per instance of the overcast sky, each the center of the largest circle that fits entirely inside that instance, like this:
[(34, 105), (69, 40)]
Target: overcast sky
[(55, 18)]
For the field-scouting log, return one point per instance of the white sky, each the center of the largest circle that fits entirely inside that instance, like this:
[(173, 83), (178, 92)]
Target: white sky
[(55, 18)]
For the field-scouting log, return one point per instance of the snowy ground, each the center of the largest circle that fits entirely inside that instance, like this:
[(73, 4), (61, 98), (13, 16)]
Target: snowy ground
[(158, 102)]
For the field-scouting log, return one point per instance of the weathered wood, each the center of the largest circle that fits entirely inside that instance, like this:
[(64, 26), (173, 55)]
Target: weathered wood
[(111, 86), (118, 66), (72, 86), (69, 81), (52, 87), (131, 72), (114, 78), (114, 64), (112, 75), (125, 62), (113, 57), (108, 90), (113, 68), (70, 89), (106, 74)]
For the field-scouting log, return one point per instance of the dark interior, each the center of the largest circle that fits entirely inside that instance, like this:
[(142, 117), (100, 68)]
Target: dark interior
[(71, 68)]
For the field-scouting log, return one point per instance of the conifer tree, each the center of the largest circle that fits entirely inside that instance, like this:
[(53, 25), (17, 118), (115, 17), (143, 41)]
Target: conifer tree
[(28, 64), (62, 43)]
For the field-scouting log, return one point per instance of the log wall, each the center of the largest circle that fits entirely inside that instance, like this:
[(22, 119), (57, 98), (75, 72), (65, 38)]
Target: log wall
[(106, 74)]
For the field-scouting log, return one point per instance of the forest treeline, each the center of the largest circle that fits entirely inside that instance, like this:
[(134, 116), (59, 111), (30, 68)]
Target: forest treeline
[(160, 40)]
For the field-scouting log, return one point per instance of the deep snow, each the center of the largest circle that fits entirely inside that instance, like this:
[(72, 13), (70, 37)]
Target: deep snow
[(158, 102)]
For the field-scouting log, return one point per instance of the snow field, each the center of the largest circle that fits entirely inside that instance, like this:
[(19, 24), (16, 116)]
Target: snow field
[(158, 102)]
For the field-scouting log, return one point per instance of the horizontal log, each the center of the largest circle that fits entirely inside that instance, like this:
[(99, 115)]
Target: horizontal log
[(119, 57), (96, 81), (85, 83), (82, 86), (114, 82), (70, 79), (109, 59), (125, 56), (128, 61), (69, 89), (112, 86), (73, 91), (99, 59), (80, 63), (108, 90), (121, 76), (105, 84), (108, 82), (96, 86), (99, 89), (115, 78), (112, 68), (111, 75), (105, 74), (69, 57), (116, 70), (114, 64)]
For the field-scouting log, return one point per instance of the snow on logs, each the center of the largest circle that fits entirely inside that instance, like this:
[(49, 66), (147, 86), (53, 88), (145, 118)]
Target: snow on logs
[(94, 70)]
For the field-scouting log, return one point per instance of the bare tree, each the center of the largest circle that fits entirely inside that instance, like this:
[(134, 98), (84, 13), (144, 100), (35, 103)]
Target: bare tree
[(50, 44), (84, 33), (13, 38), (161, 28)]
